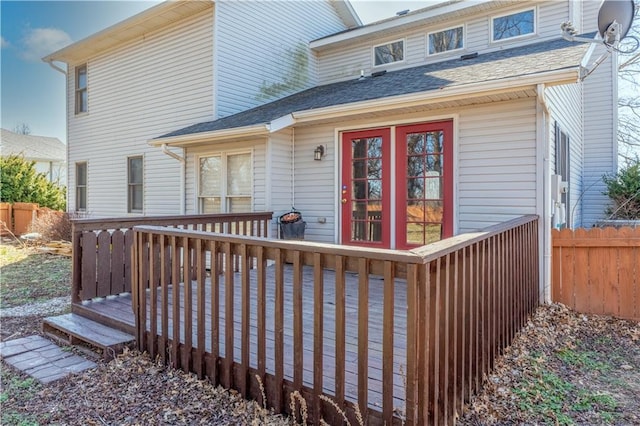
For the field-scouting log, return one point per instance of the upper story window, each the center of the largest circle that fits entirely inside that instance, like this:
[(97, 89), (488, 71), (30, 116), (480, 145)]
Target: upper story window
[(135, 185), (81, 186), (388, 53), (514, 25), (445, 40), (81, 89)]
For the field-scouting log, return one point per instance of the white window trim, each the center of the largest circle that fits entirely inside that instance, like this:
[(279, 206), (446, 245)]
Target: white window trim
[(86, 185), (404, 53), (464, 40), (515, 12), (130, 209), (76, 89), (223, 171)]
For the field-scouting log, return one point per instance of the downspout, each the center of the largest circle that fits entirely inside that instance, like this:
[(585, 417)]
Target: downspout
[(543, 189), (183, 174)]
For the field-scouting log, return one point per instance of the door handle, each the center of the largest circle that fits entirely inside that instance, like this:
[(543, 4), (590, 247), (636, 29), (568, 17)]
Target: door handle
[(343, 201)]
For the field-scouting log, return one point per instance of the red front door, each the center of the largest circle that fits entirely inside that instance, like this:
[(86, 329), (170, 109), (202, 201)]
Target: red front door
[(417, 189), (366, 188)]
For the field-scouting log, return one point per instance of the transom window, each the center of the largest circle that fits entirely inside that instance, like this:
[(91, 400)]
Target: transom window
[(445, 40), (135, 185), (81, 186), (514, 25), (81, 89), (388, 53), (225, 183)]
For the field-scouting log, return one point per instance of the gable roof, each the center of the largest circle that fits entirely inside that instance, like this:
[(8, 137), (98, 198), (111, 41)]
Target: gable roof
[(522, 63), (33, 148)]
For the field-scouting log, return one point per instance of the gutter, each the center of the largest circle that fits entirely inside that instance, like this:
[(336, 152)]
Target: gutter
[(54, 66), (213, 136)]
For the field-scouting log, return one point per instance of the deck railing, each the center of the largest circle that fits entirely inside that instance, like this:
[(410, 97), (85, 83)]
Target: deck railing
[(102, 247), (401, 335)]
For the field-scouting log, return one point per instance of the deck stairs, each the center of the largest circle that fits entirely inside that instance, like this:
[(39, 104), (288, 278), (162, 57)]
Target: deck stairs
[(87, 335)]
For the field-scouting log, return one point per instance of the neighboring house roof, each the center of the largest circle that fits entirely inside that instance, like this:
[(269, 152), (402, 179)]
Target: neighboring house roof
[(519, 62), (154, 18), (33, 148)]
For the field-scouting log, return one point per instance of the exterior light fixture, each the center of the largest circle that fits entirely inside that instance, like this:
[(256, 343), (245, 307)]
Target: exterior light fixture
[(318, 153)]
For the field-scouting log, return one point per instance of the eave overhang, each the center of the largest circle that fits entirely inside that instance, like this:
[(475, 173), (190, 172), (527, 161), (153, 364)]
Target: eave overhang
[(342, 111), (133, 28)]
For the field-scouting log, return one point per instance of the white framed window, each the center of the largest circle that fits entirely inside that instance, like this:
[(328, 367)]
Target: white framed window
[(81, 186), (81, 89), (388, 53), (513, 25), (445, 40), (225, 183), (135, 184)]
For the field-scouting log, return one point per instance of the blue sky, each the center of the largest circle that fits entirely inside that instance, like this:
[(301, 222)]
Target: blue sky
[(34, 94)]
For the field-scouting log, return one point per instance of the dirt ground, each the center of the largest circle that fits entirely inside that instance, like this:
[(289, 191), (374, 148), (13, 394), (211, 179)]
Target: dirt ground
[(562, 368)]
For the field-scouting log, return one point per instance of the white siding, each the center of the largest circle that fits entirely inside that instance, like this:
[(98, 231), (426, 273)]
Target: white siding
[(342, 63), (257, 43), (565, 103), (138, 92), (258, 155), (280, 166), (600, 145), (495, 166)]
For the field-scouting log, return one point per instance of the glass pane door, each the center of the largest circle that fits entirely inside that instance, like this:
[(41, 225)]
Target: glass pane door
[(424, 184), (366, 188)]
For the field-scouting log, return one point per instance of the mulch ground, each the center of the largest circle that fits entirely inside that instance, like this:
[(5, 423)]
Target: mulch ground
[(563, 368)]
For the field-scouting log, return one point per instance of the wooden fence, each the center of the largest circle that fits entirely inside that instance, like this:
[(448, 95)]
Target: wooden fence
[(102, 247), (406, 336), (597, 271), (16, 218)]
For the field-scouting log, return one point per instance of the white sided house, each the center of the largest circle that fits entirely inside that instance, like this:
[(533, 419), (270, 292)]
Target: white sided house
[(395, 134)]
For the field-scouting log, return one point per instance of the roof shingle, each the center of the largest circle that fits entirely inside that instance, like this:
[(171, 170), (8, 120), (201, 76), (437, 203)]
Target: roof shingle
[(507, 63)]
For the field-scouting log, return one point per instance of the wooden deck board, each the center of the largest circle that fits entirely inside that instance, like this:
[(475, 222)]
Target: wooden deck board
[(119, 308)]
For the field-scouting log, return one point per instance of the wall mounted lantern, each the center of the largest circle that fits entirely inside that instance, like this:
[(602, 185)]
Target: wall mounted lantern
[(318, 153)]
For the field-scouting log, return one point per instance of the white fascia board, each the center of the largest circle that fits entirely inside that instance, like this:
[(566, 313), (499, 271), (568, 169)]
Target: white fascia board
[(395, 22), (213, 136), (347, 13), (445, 94)]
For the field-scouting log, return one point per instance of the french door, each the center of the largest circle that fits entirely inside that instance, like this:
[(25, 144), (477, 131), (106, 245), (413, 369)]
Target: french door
[(403, 203)]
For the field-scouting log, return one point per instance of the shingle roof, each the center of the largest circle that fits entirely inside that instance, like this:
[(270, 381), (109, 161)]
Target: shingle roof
[(507, 63), (32, 147)]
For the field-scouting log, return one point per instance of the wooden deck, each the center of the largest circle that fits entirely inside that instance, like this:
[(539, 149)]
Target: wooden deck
[(118, 309)]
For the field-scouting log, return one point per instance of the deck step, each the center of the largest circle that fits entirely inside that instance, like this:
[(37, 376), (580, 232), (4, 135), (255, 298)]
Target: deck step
[(75, 329)]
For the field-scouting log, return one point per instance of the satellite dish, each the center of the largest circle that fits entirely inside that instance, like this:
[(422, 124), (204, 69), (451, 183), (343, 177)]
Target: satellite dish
[(614, 19)]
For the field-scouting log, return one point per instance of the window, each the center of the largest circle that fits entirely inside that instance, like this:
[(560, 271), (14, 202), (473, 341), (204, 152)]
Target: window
[(514, 25), (81, 89), (135, 186), (445, 40), (225, 183), (388, 53), (563, 167), (81, 186)]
